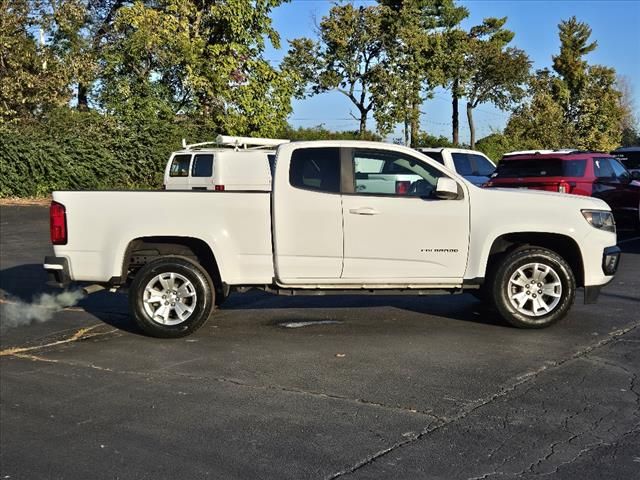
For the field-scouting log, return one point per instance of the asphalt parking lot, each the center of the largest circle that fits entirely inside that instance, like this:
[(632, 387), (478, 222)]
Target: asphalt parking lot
[(366, 387)]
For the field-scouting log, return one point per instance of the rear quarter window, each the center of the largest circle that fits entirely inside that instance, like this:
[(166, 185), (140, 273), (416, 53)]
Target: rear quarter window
[(541, 167), (462, 163), (316, 169), (180, 166)]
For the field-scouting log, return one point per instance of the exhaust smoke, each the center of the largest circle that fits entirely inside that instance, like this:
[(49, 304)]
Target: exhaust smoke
[(16, 313)]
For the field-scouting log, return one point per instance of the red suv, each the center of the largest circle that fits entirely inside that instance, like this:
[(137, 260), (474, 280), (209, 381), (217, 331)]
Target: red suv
[(580, 173)]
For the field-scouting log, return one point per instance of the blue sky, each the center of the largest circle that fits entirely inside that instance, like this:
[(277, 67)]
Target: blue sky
[(615, 25)]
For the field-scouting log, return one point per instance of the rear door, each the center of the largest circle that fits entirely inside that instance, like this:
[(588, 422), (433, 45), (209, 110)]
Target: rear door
[(307, 217), (403, 236), (178, 174), (202, 172)]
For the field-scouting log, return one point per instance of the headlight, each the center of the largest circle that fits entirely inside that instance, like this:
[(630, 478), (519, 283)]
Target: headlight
[(600, 219)]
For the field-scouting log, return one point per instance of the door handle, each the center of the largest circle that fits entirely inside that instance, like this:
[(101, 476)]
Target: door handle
[(364, 211)]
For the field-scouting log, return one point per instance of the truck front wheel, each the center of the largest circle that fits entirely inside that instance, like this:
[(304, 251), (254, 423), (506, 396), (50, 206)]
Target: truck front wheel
[(533, 288), (171, 297)]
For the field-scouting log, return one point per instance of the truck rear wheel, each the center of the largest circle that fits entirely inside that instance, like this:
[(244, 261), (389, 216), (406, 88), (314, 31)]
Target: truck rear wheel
[(171, 297), (533, 288)]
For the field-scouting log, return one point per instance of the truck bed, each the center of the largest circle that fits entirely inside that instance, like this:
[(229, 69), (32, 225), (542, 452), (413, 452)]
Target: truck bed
[(101, 224)]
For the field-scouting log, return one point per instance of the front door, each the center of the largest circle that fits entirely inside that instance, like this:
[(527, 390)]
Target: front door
[(396, 231)]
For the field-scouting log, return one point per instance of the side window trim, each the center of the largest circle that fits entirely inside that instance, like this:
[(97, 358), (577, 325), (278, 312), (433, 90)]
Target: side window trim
[(347, 171)]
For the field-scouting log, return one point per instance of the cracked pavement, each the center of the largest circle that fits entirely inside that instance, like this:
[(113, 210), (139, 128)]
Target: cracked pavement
[(399, 387)]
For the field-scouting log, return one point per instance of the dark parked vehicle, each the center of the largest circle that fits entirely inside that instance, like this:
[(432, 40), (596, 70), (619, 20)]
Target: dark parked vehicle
[(592, 174), (629, 157)]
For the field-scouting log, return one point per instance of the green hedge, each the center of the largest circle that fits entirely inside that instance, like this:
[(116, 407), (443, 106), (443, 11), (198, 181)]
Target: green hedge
[(87, 151)]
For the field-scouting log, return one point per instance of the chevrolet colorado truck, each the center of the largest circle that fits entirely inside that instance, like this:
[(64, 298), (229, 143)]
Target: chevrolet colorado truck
[(314, 231)]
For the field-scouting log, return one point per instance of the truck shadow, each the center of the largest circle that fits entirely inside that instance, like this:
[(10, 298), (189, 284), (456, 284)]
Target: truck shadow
[(26, 282)]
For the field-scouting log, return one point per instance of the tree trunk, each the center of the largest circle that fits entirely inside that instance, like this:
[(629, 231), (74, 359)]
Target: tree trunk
[(83, 101), (415, 127), (363, 122), (454, 115), (472, 127), (406, 129)]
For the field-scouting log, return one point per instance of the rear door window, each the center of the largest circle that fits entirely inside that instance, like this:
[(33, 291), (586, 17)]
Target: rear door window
[(180, 166), (202, 166), (316, 169)]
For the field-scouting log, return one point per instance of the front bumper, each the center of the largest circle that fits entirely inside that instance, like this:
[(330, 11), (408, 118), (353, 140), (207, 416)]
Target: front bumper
[(57, 271), (610, 260), (610, 263)]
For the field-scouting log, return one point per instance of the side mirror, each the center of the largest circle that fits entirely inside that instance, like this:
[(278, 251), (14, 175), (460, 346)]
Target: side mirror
[(635, 175), (446, 189)]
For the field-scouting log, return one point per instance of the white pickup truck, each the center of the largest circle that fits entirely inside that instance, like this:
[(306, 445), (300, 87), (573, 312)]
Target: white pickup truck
[(314, 231), (473, 165)]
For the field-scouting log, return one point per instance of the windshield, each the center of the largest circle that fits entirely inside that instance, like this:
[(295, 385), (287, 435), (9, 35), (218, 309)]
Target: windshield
[(631, 160), (541, 167)]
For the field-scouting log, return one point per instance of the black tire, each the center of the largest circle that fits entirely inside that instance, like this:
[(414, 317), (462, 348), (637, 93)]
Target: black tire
[(199, 300), (537, 317)]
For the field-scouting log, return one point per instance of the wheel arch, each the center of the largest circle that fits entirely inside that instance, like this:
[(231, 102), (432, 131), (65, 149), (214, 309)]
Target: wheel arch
[(143, 250), (563, 245)]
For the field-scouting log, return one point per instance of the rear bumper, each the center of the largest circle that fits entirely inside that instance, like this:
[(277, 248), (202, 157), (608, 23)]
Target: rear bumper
[(610, 262), (57, 271)]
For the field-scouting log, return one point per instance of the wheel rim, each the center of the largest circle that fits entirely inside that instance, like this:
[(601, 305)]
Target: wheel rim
[(169, 298), (535, 289)]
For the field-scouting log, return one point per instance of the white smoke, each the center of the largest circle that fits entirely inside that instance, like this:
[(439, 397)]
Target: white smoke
[(16, 313)]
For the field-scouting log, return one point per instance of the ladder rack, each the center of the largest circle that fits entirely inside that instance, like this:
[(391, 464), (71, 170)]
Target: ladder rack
[(238, 143)]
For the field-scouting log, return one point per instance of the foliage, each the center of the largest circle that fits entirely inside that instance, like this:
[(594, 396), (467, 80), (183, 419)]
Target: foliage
[(70, 150), (182, 56), (410, 68), (497, 144), (346, 58), (319, 132), (496, 74), (577, 107), (425, 140), (31, 78)]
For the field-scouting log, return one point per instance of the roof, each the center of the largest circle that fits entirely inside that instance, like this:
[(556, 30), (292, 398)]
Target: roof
[(531, 154), (627, 149)]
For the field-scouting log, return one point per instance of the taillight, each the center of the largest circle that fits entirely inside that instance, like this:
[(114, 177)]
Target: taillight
[(564, 187), (402, 187), (58, 223), (219, 188)]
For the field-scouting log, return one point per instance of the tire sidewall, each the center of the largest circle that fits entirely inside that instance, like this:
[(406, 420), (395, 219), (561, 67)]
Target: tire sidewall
[(501, 288), (195, 274)]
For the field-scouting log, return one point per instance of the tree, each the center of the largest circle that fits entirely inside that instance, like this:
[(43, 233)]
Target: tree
[(578, 106), (540, 123), (496, 74), (410, 65), (629, 122), (570, 65), (200, 59), (454, 48), (345, 59), (31, 78)]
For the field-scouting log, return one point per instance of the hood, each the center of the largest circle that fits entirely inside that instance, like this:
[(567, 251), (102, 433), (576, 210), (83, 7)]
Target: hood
[(553, 199)]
